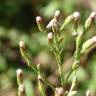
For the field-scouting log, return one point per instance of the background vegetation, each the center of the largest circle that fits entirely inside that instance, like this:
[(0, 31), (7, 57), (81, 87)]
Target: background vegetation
[(17, 22)]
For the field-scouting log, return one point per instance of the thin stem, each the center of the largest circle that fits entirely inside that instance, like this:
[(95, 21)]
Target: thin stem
[(41, 88), (50, 85), (73, 83), (58, 58), (68, 75)]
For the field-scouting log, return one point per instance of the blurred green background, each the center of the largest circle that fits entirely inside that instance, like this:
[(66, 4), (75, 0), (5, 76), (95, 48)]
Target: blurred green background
[(17, 22)]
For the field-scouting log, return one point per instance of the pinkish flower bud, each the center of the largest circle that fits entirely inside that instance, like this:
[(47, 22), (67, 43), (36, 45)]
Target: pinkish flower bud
[(39, 21), (50, 37)]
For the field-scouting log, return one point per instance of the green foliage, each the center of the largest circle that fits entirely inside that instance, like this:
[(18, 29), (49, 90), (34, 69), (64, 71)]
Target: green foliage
[(17, 22)]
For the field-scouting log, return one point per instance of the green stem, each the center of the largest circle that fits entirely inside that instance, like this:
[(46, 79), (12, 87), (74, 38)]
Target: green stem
[(58, 58), (73, 83), (68, 75)]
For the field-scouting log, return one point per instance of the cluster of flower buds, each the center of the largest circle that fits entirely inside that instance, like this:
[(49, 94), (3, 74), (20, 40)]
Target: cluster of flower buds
[(40, 24), (52, 28), (54, 24), (21, 87)]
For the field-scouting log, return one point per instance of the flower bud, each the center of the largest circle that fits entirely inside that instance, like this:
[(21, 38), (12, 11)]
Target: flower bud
[(24, 53), (55, 25), (76, 18), (69, 19), (39, 21), (49, 26), (19, 76), (57, 14), (88, 45), (76, 15), (90, 20), (21, 90), (22, 44), (88, 93), (50, 37), (59, 91)]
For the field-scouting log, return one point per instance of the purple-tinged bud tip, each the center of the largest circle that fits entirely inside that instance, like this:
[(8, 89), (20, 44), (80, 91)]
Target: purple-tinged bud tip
[(38, 18)]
